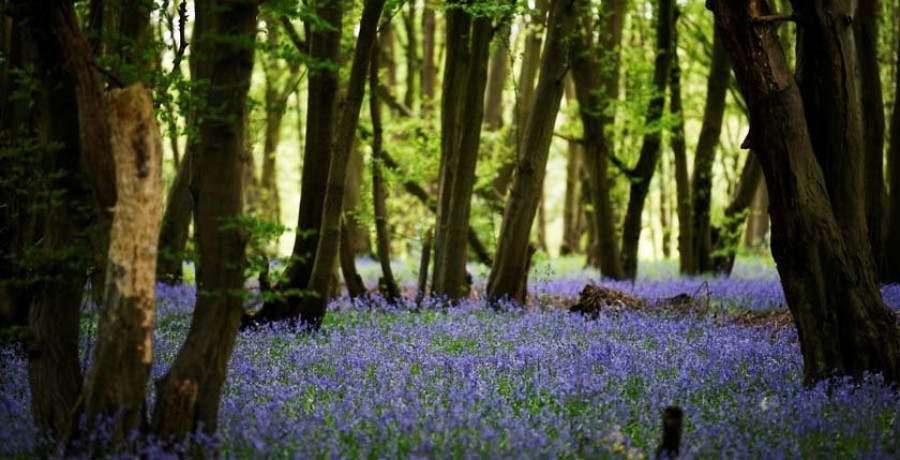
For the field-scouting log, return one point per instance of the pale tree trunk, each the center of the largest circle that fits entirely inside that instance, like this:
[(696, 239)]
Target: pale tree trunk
[(651, 148), (312, 309), (830, 287), (509, 274), (758, 220), (117, 382), (497, 74), (572, 205), (188, 394), (412, 59), (705, 156), (595, 68)]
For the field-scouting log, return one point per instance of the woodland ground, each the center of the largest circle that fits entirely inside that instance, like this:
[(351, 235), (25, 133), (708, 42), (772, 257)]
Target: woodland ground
[(469, 382)]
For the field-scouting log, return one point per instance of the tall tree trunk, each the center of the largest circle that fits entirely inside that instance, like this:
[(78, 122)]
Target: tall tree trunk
[(456, 194), (572, 209), (412, 59), (705, 156), (664, 211), (892, 241), (188, 394), (497, 73), (758, 220), (429, 72), (830, 287), (531, 62), (687, 260), (312, 309), (595, 68), (509, 273), (869, 74), (650, 150), (379, 191), (117, 382)]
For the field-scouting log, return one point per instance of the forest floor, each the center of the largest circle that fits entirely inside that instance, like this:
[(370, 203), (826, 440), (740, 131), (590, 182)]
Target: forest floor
[(384, 381)]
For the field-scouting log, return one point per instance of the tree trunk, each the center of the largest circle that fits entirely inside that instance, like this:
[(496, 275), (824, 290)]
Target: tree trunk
[(188, 394), (572, 205), (312, 309), (664, 211), (429, 72), (596, 84), (354, 282), (866, 38), (687, 259), (727, 238), (379, 191), (830, 289), (450, 267), (497, 73), (650, 150), (117, 382), (705, 156), (409, 22), (758, 220), (531, 61), (892, 241), (510, 270)]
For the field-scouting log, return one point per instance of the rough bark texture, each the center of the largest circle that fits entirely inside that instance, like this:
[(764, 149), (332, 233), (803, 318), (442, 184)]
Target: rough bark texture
[(651, 148), (117, 382), (312, 309), (595, 68), (188, 394), (379, 191), (686, 259), (511, 262), (830, 289), (705, 156)]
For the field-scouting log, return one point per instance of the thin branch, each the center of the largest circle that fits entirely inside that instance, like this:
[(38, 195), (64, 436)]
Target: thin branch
[(182, 41)]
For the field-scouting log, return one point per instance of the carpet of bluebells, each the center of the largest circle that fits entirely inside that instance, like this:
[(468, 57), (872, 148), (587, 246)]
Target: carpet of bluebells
[(384, 381)]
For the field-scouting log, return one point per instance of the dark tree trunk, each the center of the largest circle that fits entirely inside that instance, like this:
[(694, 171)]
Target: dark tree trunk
[(687, 259), (596, 84), (727, 238), (705, 156), (117, 382), (429, 72), (379, 191), (892, 241), (866, 38), (354, 282), (830, 288), (188, 394), (664, 210), (312, 309), (651, 148), (511, 263)]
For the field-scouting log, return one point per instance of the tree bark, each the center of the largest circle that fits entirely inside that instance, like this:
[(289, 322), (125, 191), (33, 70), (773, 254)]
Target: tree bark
[(429, 72), (188, 394), (312, 309), (687, 259), (117, 382), (409, 22), (596, 84), (379, 191), (705, 156), (871, 98), (509, 273), (650, 150), (830, 289)]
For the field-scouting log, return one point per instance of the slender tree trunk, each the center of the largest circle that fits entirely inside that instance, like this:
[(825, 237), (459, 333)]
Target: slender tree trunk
[(705, 156), (412, 57), (758, 220), (379, 191), (510, 270), (572, 205), (354, 282), (869, 74), (727, 238), (892, 241), (312, 309), (531, 62), (687, 258), (117, 382), (664, 212), (188, 394), (651, 149), (596, 84), (830, 288), (429, 72), (497, 74)]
